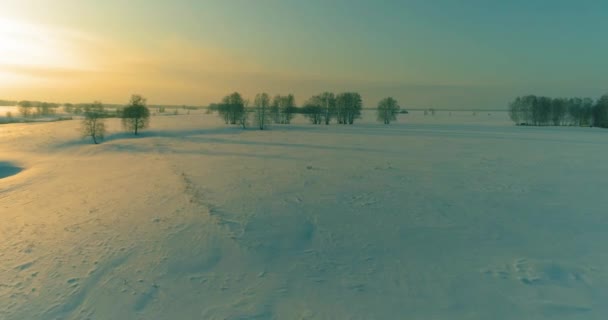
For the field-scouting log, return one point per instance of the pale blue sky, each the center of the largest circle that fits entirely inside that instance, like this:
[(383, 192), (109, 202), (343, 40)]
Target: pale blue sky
[(461, 54)]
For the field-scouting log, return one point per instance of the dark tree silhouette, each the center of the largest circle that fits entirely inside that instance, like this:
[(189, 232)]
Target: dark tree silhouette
[(93, 124), (283, 109), (348, 107), (388, 108), (328, 103), (515, 110), (559, 108), (232, 109), (261, 106), (136, 115), (275, 109), (313, 109), (543, 111), (288, 108), (600, 112)]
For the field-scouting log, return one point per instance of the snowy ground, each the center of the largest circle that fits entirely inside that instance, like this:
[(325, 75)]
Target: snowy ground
[(456, 216)]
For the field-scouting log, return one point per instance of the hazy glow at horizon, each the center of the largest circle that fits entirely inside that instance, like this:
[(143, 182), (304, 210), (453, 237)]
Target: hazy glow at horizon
[(184, 52)]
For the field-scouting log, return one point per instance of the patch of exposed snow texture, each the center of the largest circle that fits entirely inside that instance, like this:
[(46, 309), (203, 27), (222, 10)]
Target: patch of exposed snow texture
[(455, 216)]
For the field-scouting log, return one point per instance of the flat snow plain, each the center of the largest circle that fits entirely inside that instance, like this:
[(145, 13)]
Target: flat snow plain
[(455, 216)]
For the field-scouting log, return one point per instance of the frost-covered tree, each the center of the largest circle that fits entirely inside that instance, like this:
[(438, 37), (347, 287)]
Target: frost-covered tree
[(388, 108), (136, 115), (93, 123)]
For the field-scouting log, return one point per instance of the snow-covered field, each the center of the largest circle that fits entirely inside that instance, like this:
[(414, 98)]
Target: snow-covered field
[(445, 217)]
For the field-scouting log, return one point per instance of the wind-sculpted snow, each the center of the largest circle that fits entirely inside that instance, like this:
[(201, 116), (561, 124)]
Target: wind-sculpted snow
[(456, 216)]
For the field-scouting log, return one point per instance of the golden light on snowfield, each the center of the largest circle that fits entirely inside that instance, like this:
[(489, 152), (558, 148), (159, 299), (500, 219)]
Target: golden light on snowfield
[(303, 160)]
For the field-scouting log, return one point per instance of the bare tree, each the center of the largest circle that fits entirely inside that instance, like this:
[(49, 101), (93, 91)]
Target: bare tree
[(288, 109), (348, 107), (314, 110), (93, 124), (261, 106), (559, 109), (515, 110), (136, 115), (283, 108), (387, 110), (600, 112), (232, 108), (275, 109), (244, 117), (328, 103)]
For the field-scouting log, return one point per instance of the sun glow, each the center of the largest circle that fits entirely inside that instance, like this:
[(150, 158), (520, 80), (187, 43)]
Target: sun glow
[(28, 45)]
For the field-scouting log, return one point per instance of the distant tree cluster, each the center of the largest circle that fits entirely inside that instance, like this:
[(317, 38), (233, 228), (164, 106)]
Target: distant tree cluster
[(544, 111), (283, 109), (135, 117), (232, 109), (36, 108), (348, 107), (7, 102), (325, 107), (320, 108)]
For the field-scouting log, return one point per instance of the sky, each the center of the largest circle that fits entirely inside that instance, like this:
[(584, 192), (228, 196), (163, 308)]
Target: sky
[(442, 53)]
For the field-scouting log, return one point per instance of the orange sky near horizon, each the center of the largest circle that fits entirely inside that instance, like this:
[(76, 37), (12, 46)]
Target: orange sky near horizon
[(49, 63), (442, 54), (76, 62)]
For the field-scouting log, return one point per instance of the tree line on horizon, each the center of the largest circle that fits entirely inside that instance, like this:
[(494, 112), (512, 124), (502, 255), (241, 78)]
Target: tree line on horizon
[(32, 109), (322, 108), (343, 108), (531, 110)]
